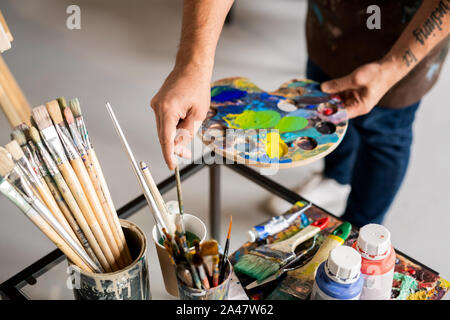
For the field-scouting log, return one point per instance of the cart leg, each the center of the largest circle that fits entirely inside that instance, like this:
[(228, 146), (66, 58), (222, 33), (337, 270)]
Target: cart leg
[(214, 201)]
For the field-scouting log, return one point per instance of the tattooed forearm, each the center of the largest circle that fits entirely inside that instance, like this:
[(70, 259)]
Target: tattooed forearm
[(434, 21), (409, 58)]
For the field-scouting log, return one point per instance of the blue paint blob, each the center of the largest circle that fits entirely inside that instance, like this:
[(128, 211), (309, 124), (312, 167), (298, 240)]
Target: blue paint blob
[(226, 93)]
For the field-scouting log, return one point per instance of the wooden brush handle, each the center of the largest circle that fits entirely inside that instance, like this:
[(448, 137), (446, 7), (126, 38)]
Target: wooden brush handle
[(82, 200), (83, 176), (57, 240), (159, 201), (81, 220), (14, 93), (50, 202), (112, 209), (290, 244), (123, 261), (71, 219), (307, 272)]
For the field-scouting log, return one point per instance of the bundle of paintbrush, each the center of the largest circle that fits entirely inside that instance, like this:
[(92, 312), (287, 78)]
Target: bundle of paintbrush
[(51, 172)]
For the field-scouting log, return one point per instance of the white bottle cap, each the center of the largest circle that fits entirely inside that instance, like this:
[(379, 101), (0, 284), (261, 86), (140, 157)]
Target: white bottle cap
[(343, 265), (251, 236), (374, 242)]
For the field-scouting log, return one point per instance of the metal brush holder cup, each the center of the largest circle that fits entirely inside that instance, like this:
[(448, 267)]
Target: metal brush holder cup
[(217, 293), (130, 283)]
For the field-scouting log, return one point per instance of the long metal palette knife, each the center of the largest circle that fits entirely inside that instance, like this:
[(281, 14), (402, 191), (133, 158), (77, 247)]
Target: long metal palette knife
[(148, 195)]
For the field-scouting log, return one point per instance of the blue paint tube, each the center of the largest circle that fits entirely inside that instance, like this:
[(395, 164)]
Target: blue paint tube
[(279, 223), (339, 278)]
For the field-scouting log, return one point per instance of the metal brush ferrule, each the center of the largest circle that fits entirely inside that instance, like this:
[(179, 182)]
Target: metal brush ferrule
[(17, 177), (67, 142), (47, 159), (51, 139), (15, 196), (28, 172), (77, 140), (36, 156), (31, 159), (85, 133)]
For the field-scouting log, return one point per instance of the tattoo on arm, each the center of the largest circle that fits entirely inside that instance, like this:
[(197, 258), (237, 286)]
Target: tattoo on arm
[(434, 21), (409, 58)]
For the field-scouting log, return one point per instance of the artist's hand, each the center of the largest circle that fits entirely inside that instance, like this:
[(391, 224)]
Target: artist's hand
[(181, 103), (362, 89)]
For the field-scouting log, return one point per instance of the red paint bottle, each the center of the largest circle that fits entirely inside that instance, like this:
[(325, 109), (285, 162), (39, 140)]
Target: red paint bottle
[(378, 261)]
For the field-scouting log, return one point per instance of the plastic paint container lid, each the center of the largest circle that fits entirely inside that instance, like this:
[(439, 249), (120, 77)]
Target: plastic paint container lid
[(343, 265), (374, 242)]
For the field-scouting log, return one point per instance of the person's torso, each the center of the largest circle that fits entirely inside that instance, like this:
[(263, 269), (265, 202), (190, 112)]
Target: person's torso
[(340, 40)]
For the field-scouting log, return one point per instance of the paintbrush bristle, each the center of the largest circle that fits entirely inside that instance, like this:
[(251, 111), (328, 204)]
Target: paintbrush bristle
[(62, 103), (26, 130), (75, 107), (41, 117), (197, 260), (34, 134), (6, 164), (209, 248), (54, 112), (229, 227), (215, 259), (16, 151), (69, 116), (256, 267), (19, 136)]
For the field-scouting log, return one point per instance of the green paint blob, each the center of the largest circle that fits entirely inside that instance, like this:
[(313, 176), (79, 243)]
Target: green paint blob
[(408, 285), (250, 119), (289, 124), (190, 237)]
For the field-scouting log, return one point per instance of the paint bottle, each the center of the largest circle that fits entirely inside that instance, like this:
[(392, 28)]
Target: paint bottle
[(378, 261), (339, 278), (279, 223)]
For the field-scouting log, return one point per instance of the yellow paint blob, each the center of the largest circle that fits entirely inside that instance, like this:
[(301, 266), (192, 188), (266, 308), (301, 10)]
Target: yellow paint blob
[(275, 146)]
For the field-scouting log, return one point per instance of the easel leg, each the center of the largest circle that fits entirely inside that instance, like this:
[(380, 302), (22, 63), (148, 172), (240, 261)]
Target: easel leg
[(214, 201)]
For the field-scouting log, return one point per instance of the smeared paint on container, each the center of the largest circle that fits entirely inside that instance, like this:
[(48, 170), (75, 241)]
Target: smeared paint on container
[(339, 278), (130, 283), (378, 261), (216, 293)]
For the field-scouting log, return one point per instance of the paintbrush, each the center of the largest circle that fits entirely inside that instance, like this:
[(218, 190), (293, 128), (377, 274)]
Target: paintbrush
[(179, 223), (49, 178), (158, 198), (336, 238), (40, 185), (85, 235), (53, 108), (207, 249), (223, 261), (19, 134), (265, 260), (148, 195), (82, 129), (215, 272), (51, 139), (288, 267), (197, 259), (78, 142), (13, 195), (15, 175), (185, 275)]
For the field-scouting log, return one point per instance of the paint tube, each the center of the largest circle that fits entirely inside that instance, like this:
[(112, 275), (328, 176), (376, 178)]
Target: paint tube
[(279, 223)]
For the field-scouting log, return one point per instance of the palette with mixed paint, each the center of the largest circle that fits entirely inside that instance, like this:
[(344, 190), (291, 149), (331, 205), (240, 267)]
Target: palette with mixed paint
[(292, 126)]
